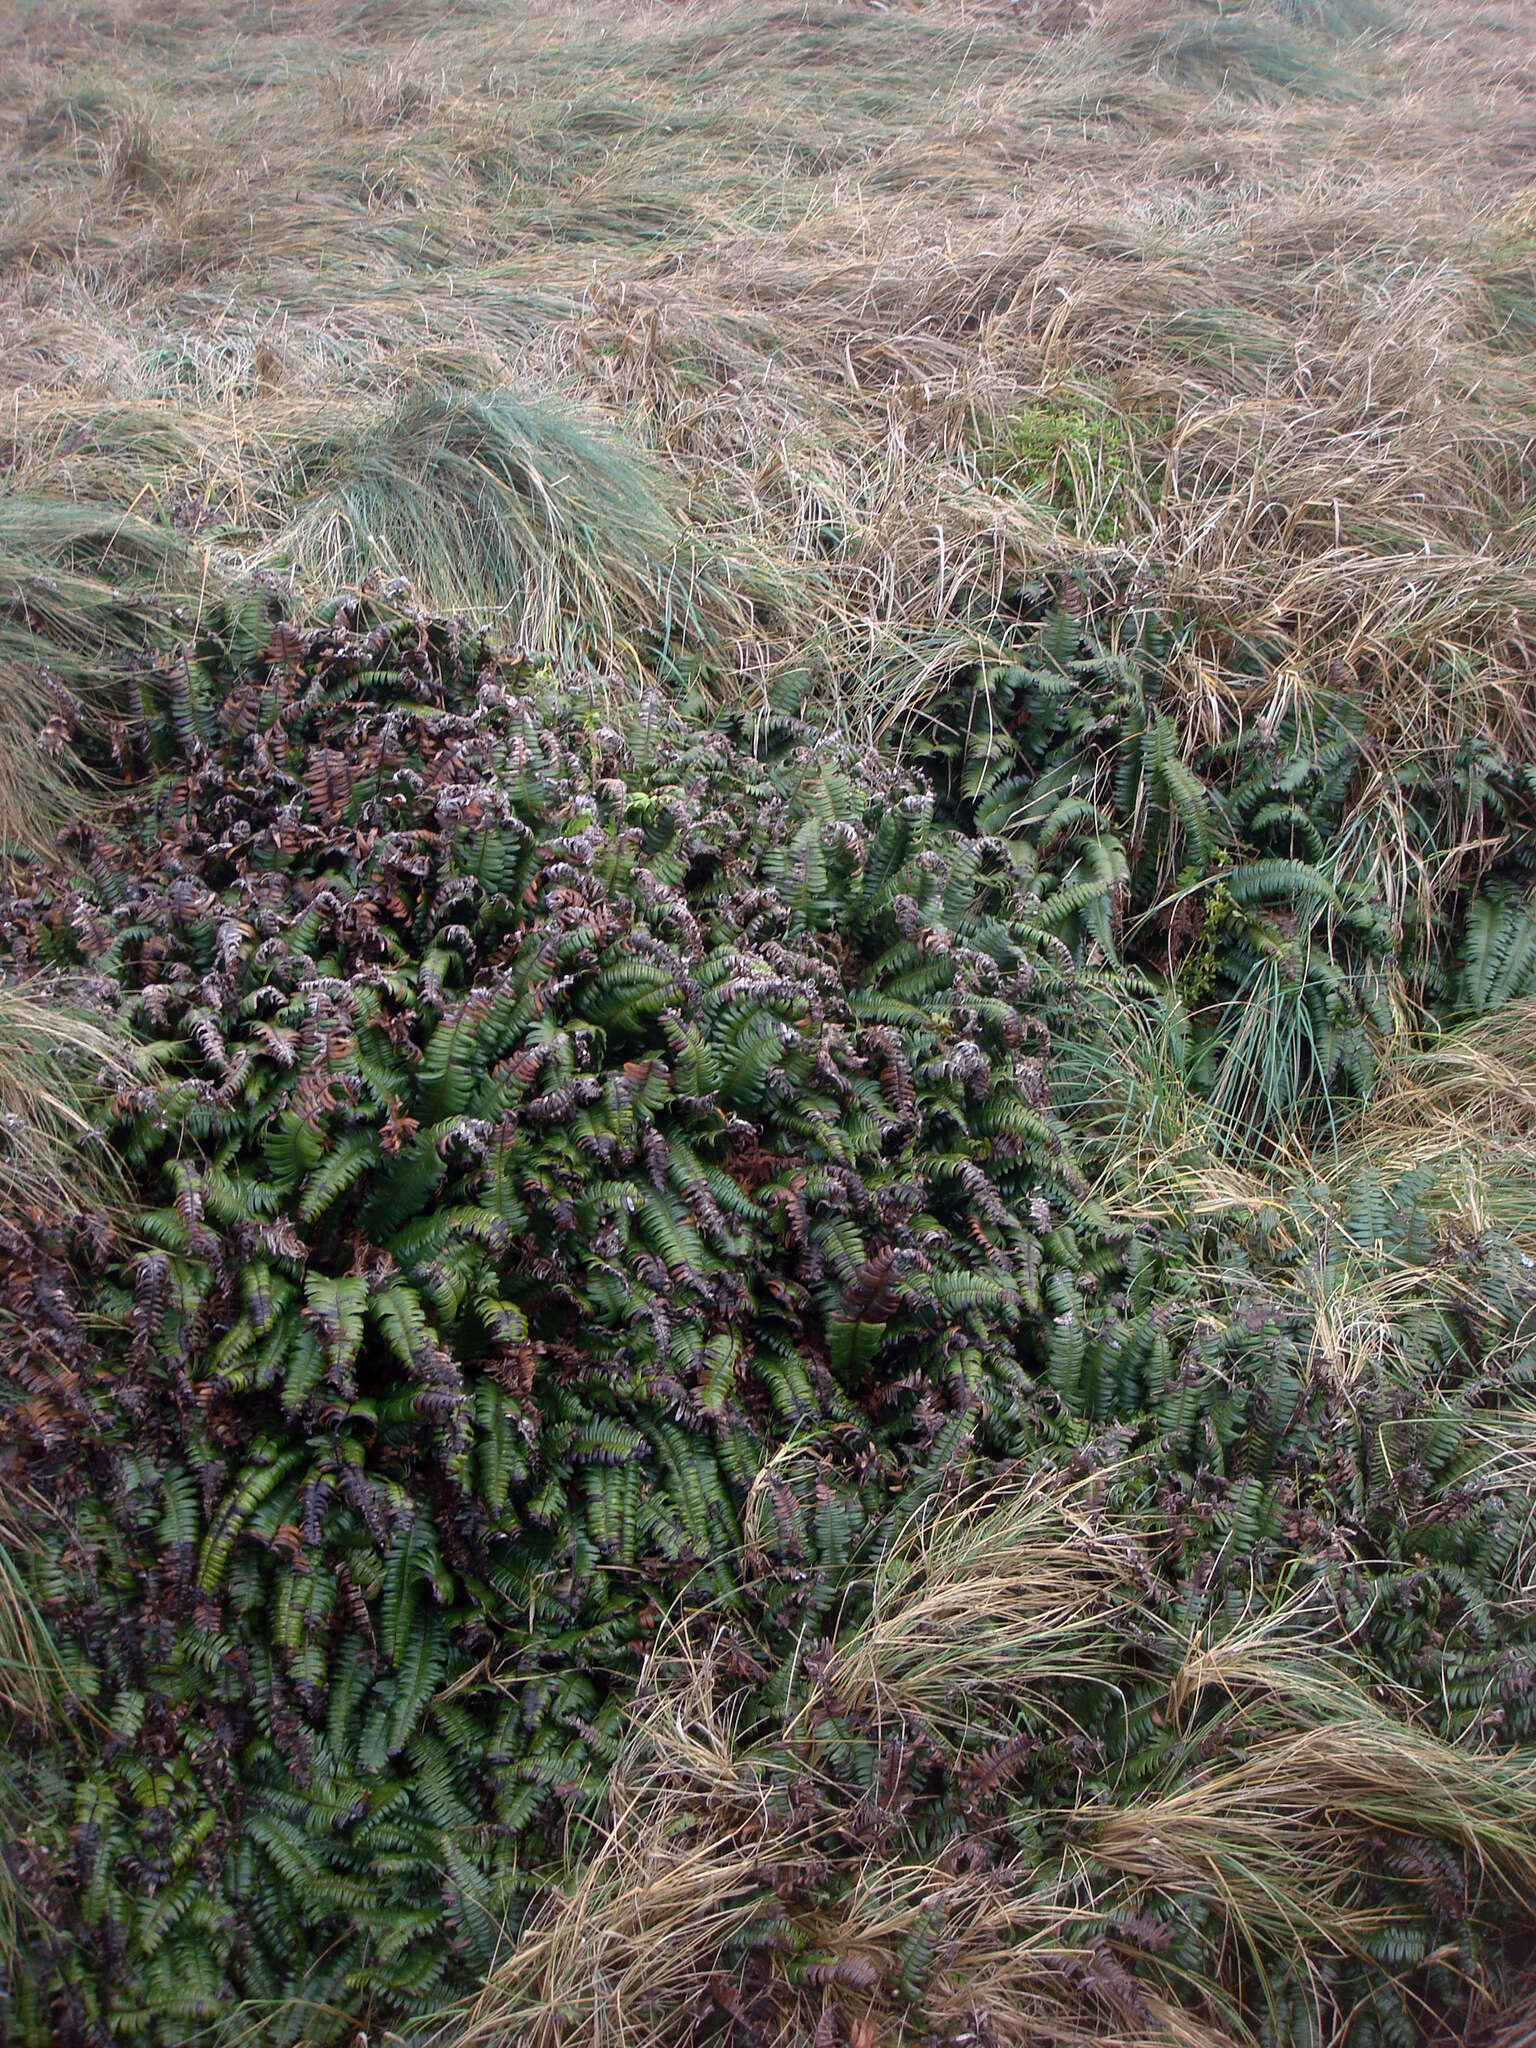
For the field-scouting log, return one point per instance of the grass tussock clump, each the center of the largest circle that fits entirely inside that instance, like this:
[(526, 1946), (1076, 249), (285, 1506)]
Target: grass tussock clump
[(84, 597), (501, 507)]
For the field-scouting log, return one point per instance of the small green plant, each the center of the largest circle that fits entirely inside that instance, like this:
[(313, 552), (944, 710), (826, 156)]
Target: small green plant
[(1073, 458)]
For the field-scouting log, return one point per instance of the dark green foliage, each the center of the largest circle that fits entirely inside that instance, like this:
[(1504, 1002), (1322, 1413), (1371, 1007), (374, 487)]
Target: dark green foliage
[(540, 1116), (1298, 894), (545, 1113)]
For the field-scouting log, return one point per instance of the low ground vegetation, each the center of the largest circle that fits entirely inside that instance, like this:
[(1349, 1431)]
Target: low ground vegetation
[(603, 1177), (768, 1048)]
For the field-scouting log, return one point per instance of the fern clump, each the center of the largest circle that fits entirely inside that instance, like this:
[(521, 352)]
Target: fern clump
[(594, 1168), (1301, 899), (540, 1114)]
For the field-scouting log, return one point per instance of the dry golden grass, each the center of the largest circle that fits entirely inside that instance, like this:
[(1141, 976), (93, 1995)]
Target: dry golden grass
[(51, 1056), (1230, 305)]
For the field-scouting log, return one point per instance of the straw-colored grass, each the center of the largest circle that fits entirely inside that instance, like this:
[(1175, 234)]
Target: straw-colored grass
[(1035, 1595), (1242, 292), (52, 1054)]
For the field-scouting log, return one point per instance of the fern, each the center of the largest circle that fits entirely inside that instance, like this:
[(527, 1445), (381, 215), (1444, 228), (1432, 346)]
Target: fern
[(590, 1113)]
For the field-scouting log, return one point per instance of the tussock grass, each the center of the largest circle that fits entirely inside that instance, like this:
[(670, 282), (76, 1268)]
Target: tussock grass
[(51, 1056), (504, 507), (1461, 1101), (83, 594), (986, 1604)]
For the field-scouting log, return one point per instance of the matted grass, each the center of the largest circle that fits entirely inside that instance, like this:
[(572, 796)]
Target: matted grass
[(1269, 270)]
